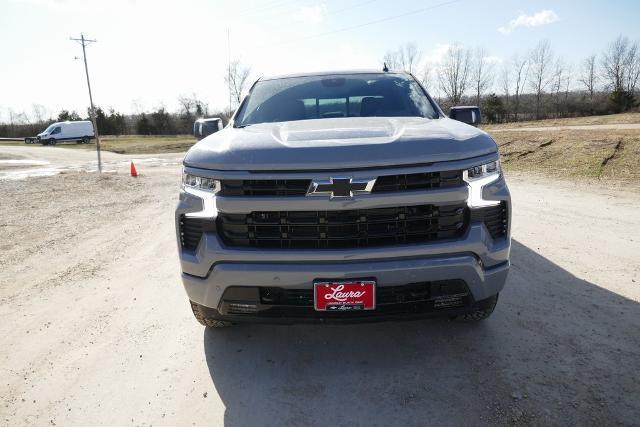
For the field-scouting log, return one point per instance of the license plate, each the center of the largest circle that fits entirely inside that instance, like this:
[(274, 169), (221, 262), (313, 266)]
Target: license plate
[(351, 295)]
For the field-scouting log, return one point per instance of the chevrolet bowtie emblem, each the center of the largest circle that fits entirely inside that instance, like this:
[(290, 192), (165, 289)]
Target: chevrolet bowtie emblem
[(340, 187)]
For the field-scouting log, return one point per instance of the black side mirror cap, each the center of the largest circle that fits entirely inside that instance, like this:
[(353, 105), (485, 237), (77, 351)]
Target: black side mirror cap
[(205, 127), (470, 115)]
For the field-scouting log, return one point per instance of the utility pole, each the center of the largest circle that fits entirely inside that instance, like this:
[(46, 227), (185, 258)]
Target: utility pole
[(229, 70), (84, 42)]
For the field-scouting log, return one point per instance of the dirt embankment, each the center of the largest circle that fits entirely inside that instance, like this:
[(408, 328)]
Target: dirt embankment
[(611, 119), (606, 155)]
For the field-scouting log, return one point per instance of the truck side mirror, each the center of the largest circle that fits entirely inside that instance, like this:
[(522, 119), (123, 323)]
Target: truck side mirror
[(205, 127), (468, 115)]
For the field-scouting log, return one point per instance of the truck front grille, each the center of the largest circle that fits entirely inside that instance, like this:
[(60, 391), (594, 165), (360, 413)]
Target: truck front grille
[(299, 187), (417, 181), (343, 229), (264, 187)]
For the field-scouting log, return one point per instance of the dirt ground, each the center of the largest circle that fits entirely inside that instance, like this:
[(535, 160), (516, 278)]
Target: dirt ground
[(609, 155), (96, 328)]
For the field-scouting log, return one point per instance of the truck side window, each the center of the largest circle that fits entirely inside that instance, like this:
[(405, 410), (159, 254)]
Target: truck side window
[(56, 131)]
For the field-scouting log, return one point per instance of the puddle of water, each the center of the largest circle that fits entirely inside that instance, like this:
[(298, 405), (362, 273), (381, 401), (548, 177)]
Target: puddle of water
[(91, 167), (24, 162), (29, 173)]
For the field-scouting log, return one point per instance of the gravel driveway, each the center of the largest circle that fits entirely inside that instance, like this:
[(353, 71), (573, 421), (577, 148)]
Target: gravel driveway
[(96, 328)]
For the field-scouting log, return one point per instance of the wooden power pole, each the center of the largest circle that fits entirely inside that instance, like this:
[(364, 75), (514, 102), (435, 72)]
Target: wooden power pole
[(84, 42)]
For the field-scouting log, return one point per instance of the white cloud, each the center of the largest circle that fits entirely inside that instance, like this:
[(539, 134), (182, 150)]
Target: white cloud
[(311, 14), (436, 56), (543, 17), (491, 59)]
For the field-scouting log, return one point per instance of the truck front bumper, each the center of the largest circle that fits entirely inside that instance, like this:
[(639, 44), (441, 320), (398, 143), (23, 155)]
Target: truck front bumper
[(231, 282)]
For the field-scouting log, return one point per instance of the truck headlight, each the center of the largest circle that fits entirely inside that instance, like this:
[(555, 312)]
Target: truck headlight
[(479, 176), (200, 182), (205, 188)]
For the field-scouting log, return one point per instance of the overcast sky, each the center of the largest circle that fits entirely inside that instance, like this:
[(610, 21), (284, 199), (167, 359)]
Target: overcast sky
[(149, 52)]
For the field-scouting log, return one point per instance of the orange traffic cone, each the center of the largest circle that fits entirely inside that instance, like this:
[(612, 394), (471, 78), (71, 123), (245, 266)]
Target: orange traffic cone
[(134, 172)]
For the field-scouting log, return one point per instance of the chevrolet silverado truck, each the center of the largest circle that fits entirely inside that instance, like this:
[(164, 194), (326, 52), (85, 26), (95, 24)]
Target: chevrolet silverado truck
[(343, 196)]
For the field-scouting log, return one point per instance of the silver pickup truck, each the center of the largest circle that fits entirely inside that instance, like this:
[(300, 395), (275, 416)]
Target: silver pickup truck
[(343, 196)]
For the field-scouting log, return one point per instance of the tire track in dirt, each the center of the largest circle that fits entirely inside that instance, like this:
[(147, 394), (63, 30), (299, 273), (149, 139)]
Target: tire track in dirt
[(521, 154), (615, 154)]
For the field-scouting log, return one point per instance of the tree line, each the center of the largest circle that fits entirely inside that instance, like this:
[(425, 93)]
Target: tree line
[(111, 122), (534, 85)]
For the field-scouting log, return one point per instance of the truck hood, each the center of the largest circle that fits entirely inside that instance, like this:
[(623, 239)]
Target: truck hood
[(341, 143)]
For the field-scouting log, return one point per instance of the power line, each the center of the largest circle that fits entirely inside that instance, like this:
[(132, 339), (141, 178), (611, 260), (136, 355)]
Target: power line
[(84, 42), (365, 24)]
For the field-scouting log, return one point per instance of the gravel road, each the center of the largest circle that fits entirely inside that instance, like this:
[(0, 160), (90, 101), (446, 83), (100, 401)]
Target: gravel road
[(96, 328)]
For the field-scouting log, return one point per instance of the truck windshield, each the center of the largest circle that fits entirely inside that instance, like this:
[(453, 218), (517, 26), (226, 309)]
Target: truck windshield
[(331, 96), (50, 128)]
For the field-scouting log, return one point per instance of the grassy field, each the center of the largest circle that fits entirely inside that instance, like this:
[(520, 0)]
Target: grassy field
[(577, 121), (602, 154), (138, 144), (132, 144)]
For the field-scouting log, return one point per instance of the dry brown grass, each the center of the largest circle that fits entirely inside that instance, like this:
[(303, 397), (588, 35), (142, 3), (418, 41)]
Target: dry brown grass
[(603, 154), (138, 144), (624, 118)]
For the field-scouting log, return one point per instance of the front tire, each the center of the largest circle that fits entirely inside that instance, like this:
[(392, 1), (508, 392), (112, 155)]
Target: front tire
[(51, 141), (201, 316), (482, 311)]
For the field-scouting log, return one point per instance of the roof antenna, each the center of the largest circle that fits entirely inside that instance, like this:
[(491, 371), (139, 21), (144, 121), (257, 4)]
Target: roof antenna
[(385, 68)]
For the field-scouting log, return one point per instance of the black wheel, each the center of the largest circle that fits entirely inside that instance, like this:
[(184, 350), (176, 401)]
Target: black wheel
[(52, 141), (201, 316), (483, 310), (85, 139)]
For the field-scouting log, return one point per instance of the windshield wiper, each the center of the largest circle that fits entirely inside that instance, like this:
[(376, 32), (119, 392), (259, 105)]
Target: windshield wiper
[(242, 126)]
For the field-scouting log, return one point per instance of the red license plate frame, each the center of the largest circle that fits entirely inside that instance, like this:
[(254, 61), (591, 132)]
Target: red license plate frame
[(344, 295)]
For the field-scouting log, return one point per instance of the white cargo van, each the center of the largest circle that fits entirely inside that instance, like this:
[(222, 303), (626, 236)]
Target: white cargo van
[(81, 132)]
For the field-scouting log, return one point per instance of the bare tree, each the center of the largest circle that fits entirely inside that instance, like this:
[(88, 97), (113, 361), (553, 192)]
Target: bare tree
[(481, 73), (237, 80), (453, 75), (621, 65), (541, 59), (505, 81), (404, 58), (589, 77), (557, 84), (186, 105), (39, 112), (567, 86), (409, 57), (192, 106), (621, 71), (391, 60), (520, 74), (613, 64), (426, 78), (633, 67)]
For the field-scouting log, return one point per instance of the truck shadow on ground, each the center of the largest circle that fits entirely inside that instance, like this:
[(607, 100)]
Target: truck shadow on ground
[(556, 349)]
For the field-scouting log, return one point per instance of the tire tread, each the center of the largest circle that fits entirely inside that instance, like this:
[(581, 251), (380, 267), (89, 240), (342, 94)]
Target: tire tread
[(202, 318)]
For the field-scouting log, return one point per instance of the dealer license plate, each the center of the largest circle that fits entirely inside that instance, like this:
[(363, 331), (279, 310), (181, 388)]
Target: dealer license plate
[(349, 295)]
